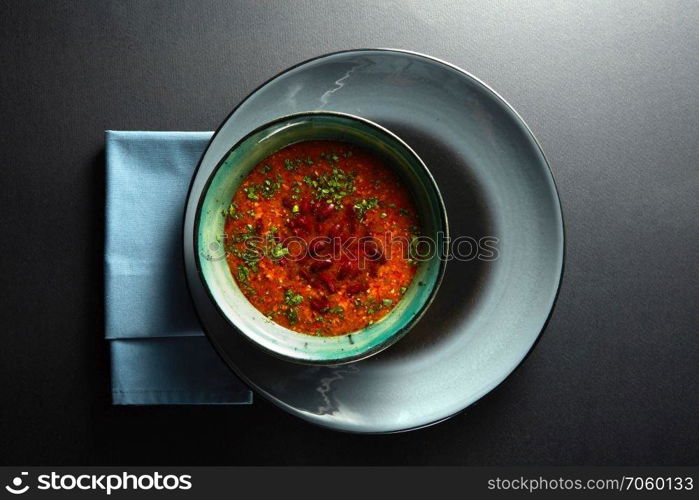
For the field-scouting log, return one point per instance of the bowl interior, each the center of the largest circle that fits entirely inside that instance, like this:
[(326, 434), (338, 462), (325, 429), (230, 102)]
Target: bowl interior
[(230, 173)]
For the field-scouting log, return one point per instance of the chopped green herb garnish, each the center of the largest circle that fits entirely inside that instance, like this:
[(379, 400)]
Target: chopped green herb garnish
[(387, 302), (247, 235), (278, 251), (403, 289), (331, 186), (364, 205), (266, 168), (243, 273), (372, 306), (292, 298), (232, 212), (336, 310), (252, 263), (268, 188), (292, 315)]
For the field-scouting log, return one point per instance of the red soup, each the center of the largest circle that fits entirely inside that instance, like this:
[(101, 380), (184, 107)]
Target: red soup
[(318, 238)]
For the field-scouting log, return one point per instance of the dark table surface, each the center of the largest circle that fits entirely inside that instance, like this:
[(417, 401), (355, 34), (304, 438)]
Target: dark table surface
[(609, 88)]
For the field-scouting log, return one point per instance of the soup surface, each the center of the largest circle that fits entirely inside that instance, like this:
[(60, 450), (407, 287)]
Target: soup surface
[(319, 238)]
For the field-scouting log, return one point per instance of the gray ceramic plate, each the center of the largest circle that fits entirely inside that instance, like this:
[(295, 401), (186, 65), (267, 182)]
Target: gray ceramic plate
[(496, 184)]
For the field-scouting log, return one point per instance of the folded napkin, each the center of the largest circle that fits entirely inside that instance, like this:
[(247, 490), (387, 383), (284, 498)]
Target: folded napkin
[(159, 354)]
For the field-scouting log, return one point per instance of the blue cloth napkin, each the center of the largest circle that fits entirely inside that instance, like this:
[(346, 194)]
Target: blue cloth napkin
[(159, 354)]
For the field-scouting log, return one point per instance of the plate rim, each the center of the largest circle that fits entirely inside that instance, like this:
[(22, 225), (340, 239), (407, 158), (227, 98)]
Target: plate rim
[(277, 402)]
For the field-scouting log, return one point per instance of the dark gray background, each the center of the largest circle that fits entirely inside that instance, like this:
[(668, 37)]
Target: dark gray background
[(610, 90)]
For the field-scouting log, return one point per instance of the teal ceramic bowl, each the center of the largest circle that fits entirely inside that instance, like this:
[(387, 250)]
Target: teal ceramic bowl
[(222, 287)]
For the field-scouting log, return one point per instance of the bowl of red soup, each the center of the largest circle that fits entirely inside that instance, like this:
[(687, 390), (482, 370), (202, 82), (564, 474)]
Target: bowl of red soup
[(320, 237)]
